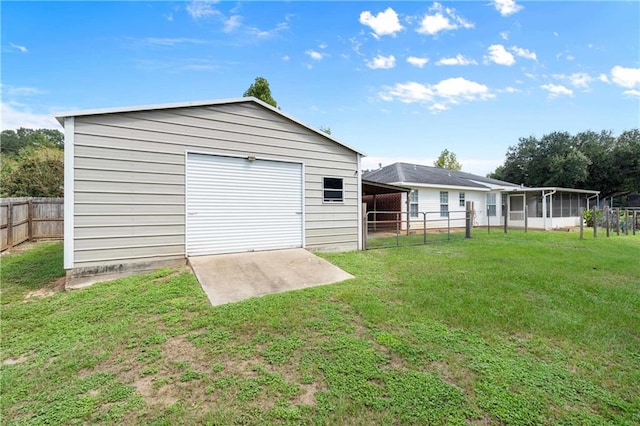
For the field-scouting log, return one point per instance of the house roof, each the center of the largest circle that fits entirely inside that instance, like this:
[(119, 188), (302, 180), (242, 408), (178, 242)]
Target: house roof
[(62, 115), (374, 188), (405, 174)]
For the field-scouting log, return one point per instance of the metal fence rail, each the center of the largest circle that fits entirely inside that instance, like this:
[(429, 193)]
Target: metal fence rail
[(393, 228)]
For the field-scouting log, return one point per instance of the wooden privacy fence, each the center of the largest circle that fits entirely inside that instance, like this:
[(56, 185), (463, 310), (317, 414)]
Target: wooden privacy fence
[(27, 219)]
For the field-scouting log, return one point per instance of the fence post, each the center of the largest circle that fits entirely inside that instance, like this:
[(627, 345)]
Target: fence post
[(424, 227), (468, 221), (505, 210), (448, 226), (635, 221), (10, 225), (618, 221), (626, 222), (526, 218), (581, 223), (397, 229), (606, 220), (488, 222), (364, 226), (595, 222), (30, 219)]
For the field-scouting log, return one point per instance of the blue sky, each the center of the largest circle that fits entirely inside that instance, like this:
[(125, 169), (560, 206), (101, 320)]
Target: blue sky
[(400, 81)]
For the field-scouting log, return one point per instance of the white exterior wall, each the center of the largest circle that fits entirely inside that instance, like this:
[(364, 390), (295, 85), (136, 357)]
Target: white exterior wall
[(129, 177), (429, 202)]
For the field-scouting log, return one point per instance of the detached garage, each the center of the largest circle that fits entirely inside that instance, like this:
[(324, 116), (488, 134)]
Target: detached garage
[(148, 186)]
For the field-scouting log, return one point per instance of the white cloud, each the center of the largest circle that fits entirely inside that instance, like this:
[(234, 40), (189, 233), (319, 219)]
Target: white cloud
[(16, 91), (232, 23), (281, 26), (201, 9), (507, 7), (417, 62), (440, 96), (316, 56), (382, 62), (167, 41), (285, 58), (512, 90), (15, 115), (556, 90), (460, 88), (625, 77), (524, 53), (580, 80), (442, 19), (499, 55), (633, 93), (408, 93), (458, 60), (603, 78), (504, 35), (384, 23), (18, 47), (323, 45), (555, 33), (438, 107)]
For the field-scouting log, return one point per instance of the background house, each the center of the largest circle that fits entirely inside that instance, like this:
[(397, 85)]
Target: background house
[(442, 194), (148, 186)]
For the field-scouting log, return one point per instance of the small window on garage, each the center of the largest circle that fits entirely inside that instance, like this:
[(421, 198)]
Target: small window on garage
[(461, 198), (333, 190)]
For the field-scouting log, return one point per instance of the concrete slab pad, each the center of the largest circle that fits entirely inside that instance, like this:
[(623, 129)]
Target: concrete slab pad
[(229, 278)]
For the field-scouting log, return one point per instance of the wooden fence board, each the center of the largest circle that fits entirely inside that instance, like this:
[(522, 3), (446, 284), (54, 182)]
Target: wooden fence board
[(25, 219)]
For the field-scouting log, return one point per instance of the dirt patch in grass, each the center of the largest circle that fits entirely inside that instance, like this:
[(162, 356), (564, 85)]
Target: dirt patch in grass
[(14, 361), (48, 290)]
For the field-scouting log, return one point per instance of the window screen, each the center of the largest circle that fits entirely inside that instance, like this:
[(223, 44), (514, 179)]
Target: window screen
[(333, 190)]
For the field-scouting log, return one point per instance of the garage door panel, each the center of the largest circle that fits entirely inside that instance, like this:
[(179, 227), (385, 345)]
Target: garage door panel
[(236, 205)]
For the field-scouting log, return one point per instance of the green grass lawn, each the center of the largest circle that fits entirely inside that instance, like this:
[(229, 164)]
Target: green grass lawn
[(536, 328)]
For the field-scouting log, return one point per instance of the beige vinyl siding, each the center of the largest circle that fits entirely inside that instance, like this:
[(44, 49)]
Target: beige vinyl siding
[(130, 184)]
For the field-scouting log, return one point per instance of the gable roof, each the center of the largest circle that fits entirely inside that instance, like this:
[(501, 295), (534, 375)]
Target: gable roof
[(405, 173), (62, 115)]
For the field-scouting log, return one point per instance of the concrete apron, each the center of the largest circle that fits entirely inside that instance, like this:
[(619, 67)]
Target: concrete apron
[(229, 278)]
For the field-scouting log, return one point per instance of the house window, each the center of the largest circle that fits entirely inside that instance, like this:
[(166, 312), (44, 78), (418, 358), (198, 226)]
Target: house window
[(413, 203), (461, 198), (444, 203), (491, 204), (333, 190)]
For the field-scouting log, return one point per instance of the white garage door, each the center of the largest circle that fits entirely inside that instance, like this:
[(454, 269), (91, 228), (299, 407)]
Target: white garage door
[(237, 205)]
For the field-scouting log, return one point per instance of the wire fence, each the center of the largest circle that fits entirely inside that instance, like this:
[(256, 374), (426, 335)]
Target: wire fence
[(613, 221), (394, 228)]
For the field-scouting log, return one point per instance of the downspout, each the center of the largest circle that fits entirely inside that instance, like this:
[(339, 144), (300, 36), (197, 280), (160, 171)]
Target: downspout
[(544, 208)]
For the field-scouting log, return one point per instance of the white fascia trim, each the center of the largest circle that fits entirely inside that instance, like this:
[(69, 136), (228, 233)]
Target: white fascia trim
[(447, 187), (62, 115), (555, 188), (69, 191)]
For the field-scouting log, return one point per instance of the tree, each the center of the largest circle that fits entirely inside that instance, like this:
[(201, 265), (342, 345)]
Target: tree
[(15, 140), (36, 172), (587, 160), (447, 160), (260, 90)]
